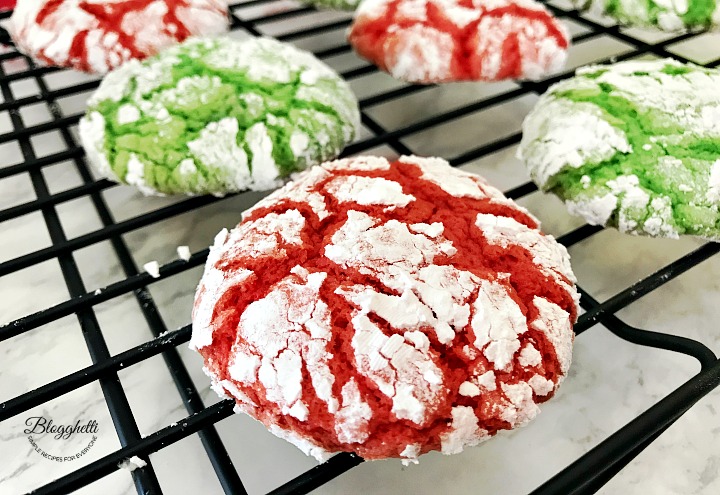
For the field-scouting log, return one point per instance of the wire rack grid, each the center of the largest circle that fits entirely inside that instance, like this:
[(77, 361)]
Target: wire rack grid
[(323, 34)]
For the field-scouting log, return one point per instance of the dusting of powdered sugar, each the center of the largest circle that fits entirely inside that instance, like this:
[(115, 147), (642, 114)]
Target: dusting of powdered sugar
[(431, 230), (435, 296), (397, 327), (359, 164), (487, 381), (634, 201), (274, 345), (368, 191), (267, 236), (595, 209), (260, 61), (541, 385), (214, 283), (691, 101), (713, 193), (265, 174), (92, 136), (388, 250), (226, 156), (135, 176), (128, 113), (352, 418), (300, 191), (496, 324), (460, 184), (561, 133), (416, 47), (469, 389), (407, 375), (464, 431), (106, 43), (529, 356), (522, 407), (189, 90), (555, 323), (420, 54), (668, 15), (217, 148), (552, 257), (540, 52)]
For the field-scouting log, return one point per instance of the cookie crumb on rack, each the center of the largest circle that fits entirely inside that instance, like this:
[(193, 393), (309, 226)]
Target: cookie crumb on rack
[(183, 253), (153, 268), (132, 463)]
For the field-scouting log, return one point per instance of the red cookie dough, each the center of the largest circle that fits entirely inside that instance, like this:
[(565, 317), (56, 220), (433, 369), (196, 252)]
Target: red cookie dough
[(97, 36), (7, 5), (387, 309), (430, 41)]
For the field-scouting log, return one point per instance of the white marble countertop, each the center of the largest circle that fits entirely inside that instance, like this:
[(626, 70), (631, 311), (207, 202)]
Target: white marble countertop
[(610, 383)]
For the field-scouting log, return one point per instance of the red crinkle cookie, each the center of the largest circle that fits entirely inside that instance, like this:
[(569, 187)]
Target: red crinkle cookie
[(386, 309), (428, 41), (97, 36)]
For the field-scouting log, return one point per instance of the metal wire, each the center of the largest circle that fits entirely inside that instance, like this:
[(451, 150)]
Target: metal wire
[(586, 475)]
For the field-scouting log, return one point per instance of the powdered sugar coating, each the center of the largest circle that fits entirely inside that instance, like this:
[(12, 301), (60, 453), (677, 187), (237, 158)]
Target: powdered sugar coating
[(332, 311), (368, 191), (216, 116), (576, 135), (464, 431), (99, 35), (551, 256), (429, 41), (93, 130), (667, 15), (633, 145)]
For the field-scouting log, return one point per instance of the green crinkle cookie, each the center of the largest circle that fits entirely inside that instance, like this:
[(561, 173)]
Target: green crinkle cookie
[(634, 145), (678, 15), (215, 116)]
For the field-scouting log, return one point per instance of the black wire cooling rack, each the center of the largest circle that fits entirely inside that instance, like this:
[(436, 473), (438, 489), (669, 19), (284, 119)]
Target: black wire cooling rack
[(586, 475)]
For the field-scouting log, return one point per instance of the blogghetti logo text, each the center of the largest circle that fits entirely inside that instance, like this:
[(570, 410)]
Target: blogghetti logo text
[(57, 437)]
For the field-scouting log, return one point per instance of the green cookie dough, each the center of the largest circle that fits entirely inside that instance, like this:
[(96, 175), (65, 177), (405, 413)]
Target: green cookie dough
[(667, 15), (634, 145), (216, 116)]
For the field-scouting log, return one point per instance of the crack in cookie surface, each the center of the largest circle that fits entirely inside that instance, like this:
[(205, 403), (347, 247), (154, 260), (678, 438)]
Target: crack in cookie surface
[(387, 322), (97, 36), (216, 116), (430, 41), (633, 145)]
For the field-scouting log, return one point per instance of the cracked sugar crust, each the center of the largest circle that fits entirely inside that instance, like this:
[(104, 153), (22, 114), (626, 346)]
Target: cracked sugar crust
[(673, 16), (97, 36), (372, 307), (216, 116), (633, 145), (428, 41)]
